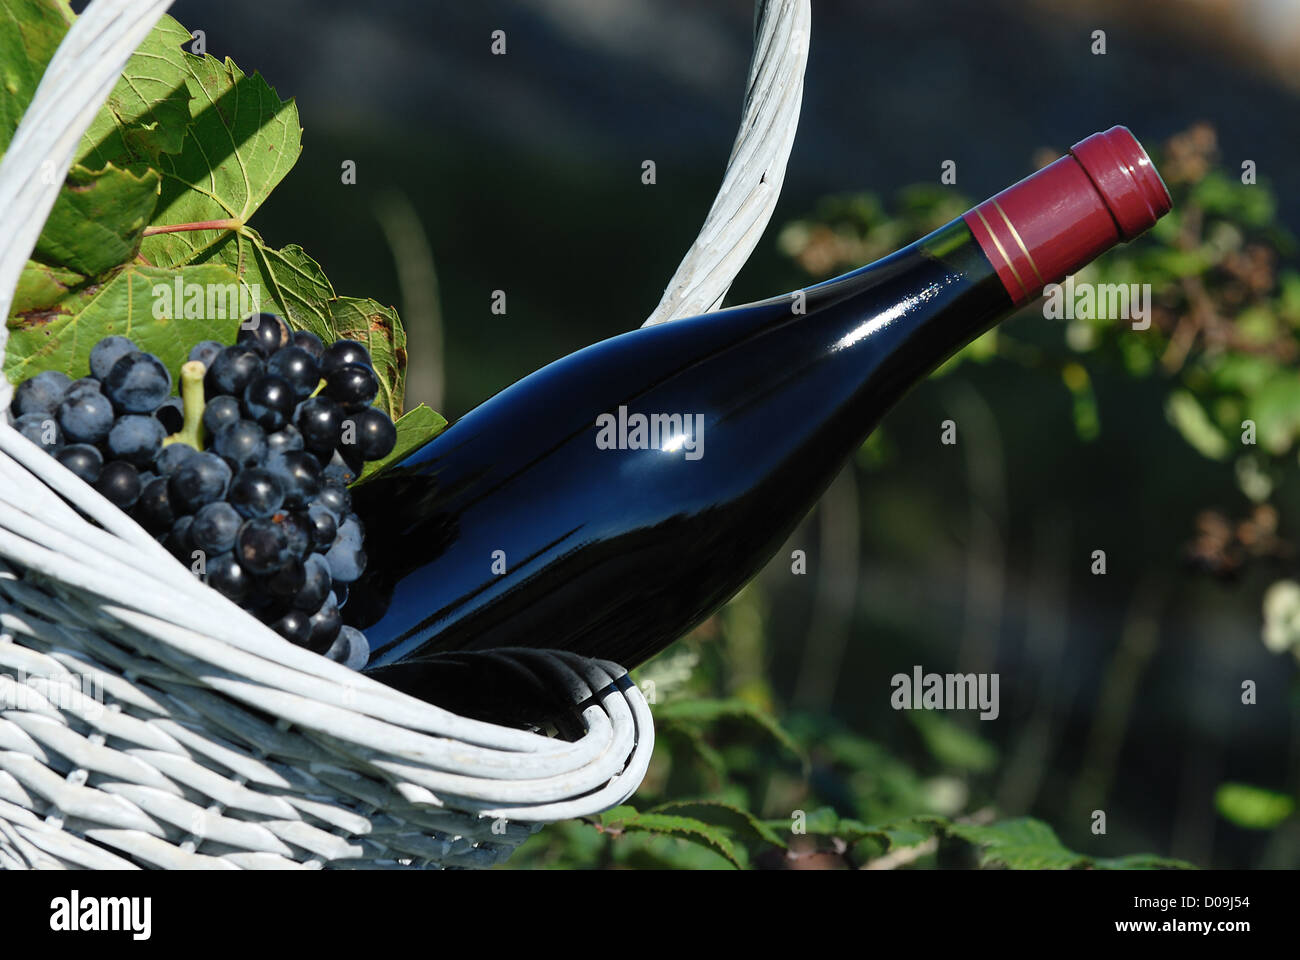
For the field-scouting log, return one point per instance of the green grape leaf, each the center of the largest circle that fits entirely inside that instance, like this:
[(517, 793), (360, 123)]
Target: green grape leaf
[(30, 32), (724, 815), (98, 218), (147, 111), (414, 429), (128, 305), (42, 287), (241, 141), (1022, 843), (708, 711), (626, 819), (825, 822), (692, 739), (285, 281), (1252, 807), (295, 281)]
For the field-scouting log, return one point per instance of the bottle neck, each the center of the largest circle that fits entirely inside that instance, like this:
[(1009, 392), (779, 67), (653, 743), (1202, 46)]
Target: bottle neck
[(922, 304)]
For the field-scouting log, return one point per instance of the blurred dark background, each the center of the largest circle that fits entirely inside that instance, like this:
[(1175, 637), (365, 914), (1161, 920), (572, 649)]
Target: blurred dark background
[(1119, 692)]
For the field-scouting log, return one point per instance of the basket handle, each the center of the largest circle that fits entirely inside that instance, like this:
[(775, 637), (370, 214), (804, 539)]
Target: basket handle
[(756, 168)]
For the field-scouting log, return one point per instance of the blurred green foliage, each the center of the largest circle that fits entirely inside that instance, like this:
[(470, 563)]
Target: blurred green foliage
[(731, 786), (737, 781)]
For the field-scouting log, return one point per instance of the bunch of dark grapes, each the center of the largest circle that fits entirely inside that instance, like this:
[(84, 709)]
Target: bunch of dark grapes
[(244, 477)]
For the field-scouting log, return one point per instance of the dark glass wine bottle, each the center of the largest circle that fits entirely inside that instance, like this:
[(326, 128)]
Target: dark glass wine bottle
[(614, 499)]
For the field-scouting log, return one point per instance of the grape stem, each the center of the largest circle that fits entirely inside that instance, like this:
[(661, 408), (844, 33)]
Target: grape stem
[(229, 224), (191, 430)]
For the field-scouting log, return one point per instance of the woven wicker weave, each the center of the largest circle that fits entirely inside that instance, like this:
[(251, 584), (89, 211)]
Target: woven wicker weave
[(145, 720)]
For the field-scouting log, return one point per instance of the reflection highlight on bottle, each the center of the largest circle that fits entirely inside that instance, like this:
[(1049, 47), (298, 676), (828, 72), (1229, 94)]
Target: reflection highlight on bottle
[(669, 432)]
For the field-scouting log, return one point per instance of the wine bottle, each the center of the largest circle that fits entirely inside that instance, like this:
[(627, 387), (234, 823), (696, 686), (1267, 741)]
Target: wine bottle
[(611, 501)]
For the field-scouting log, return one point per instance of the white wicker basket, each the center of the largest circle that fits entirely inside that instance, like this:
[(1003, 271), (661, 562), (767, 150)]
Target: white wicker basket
[(145, 720)]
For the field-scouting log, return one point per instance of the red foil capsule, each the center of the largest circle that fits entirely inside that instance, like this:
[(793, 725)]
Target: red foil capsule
[(1036, 232)]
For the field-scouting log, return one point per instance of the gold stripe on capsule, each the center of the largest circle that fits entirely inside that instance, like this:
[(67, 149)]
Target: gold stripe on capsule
[(1023, 249), (1002, 250)]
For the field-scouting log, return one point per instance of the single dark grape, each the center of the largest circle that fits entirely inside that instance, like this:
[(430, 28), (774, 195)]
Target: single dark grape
[(345, 557), (119, 483), (295, 626), (297, 528), (41, 429), (220, 411), (349, 648), (283, 440), (86, 418), (154, 508), (136, 439), (325, 624), (171, 457), (232, 370), (225, 575), (82, 459), (178, 542), (306, 340), (336, 499), (315, 586), (42, 393), (205, 351), (137, 383), (85, 385), (265, 605), (264, 332), (269, 400), (298, 367), (324, 526), (215, 527), (261, 546), (341, 353), (375, 434), (242, 443), (171, 414), (106, 353), (260, 603), (319, 420), (299, 471), (256, 492), (200, 480), (353, 386), (288, 580)]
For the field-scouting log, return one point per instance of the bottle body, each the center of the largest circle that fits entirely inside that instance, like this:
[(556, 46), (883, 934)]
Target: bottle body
[(614, 499)]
